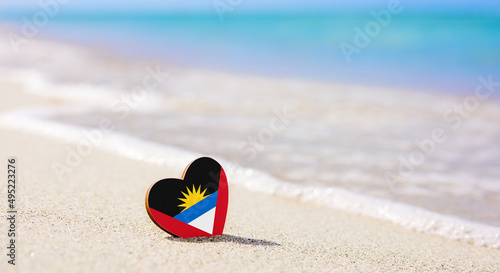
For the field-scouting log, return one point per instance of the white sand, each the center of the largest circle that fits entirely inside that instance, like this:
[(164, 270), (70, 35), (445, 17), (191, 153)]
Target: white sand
[(95, 221)]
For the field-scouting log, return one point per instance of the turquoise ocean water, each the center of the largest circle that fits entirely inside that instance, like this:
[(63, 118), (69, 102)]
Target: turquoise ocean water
[(430, 50)]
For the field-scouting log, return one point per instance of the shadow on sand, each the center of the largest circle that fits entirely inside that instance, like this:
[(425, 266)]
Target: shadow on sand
[(224, 238)]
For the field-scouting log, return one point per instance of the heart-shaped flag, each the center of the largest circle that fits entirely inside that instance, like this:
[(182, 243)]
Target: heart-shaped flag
[(193, 206)]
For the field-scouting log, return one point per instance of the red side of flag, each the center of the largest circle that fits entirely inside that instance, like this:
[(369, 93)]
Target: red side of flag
[(221, 207)]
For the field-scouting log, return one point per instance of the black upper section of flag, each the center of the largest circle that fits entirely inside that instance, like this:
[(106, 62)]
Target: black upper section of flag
[(164, 195)]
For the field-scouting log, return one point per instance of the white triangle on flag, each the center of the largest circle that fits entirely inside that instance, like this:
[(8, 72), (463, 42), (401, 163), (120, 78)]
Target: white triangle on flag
[(205, 222)]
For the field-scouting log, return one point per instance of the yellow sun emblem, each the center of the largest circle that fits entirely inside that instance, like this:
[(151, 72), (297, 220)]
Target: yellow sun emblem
[(192, 197)]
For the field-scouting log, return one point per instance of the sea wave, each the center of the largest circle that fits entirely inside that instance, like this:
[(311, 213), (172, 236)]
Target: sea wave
[(37, 121)]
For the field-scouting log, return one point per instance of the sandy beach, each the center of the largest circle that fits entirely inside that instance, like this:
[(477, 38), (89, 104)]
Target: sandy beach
[(95, 221)]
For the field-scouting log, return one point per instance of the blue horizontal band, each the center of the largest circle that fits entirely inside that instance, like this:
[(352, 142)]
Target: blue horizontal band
[(198, 209)]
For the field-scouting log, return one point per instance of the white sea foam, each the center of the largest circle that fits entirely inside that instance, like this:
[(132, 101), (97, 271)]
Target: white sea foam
[(36, 121), (81, 93)]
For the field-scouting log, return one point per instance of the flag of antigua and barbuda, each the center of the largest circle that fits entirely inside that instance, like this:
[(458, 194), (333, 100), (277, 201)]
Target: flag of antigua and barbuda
[(193, 206)]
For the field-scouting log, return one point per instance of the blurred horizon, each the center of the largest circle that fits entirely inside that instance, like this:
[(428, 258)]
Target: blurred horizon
[(254, 6)]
